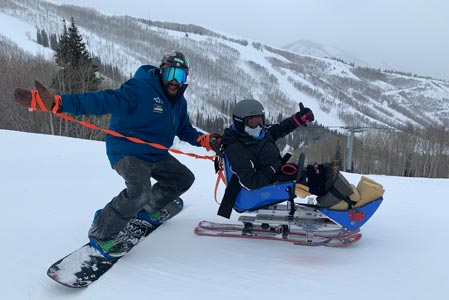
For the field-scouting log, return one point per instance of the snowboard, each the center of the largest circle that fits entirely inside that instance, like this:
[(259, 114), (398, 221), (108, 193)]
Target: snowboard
[(87, 264)]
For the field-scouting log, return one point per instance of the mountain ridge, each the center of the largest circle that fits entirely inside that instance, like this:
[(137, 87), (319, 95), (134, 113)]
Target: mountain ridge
[(225, 70), (327, 51)]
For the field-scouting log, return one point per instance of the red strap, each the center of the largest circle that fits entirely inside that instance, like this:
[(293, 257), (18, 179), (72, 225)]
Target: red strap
[(132, 139), (220, 176), (37, 101), (57, 103)]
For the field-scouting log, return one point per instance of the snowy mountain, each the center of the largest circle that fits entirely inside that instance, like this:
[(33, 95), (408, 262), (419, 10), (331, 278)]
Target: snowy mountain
[(55, 184), (316, 49), (226, 69)]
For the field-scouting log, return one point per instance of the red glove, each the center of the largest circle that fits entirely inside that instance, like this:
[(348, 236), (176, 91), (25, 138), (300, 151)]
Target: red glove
[(209, 141)]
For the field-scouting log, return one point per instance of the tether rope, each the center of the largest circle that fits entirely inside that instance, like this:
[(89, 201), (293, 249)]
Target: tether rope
[(37, 101)]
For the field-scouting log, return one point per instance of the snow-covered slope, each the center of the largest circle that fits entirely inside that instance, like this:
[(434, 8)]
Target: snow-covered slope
[(51, 186)]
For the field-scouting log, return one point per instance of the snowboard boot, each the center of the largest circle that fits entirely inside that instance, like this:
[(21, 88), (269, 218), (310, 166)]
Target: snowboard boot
[(110, 248), (113, 248), (155, 218)]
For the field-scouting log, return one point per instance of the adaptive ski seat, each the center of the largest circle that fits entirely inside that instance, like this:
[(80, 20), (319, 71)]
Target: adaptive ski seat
[(351, 213), (250, 200)]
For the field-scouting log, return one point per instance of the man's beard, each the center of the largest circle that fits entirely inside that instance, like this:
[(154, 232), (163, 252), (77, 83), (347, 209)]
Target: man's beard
[(171, 97)]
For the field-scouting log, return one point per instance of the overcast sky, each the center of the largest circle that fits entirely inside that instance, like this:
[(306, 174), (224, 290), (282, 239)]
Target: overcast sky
[(408, 35)]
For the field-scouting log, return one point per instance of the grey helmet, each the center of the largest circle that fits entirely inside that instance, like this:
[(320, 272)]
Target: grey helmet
[(245, 109)]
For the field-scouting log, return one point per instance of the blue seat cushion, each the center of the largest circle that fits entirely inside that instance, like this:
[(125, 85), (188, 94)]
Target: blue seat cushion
[(271, 194)]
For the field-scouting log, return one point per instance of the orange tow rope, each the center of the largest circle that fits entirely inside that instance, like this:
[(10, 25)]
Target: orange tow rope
[(220, 176), (37, 101)]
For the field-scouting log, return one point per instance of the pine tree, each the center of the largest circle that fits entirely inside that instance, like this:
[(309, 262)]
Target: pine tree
[(77, 72), (54, 42), (44, 37), (38, 37)]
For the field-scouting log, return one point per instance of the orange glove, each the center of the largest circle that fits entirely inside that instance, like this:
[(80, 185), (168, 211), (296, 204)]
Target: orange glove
[(41, 99), (209, 141)]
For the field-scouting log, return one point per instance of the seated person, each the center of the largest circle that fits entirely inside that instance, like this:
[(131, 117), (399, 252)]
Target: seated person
[(250, 145), (251, 150), (255, 160)]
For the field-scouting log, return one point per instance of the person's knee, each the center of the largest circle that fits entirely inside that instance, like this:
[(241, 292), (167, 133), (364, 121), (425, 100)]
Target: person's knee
[(138, 195), (187, 180)]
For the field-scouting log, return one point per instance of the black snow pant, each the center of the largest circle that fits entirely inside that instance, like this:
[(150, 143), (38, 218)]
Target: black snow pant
[(173, 179)]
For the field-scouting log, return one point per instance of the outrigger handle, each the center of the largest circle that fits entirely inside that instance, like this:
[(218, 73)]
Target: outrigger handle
[(215, 148)]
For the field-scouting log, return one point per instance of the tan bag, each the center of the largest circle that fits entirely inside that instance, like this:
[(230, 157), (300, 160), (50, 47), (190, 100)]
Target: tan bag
[(369, 190), (366, 191)]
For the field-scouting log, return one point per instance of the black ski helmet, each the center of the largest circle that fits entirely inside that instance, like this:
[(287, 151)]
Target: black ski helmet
[(244, 109), (176, 59)]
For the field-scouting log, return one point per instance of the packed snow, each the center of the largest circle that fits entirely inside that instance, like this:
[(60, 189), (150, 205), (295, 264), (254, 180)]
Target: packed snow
[(53, 185)]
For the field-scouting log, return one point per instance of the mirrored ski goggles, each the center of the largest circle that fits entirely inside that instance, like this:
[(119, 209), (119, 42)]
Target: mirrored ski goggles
[(170, 73)]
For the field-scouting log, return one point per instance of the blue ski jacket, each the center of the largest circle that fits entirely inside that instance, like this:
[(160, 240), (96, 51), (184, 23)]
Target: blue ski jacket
[(139, 109)]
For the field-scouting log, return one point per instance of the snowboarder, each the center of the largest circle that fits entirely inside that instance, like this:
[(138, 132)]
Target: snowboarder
[(150, 106)]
